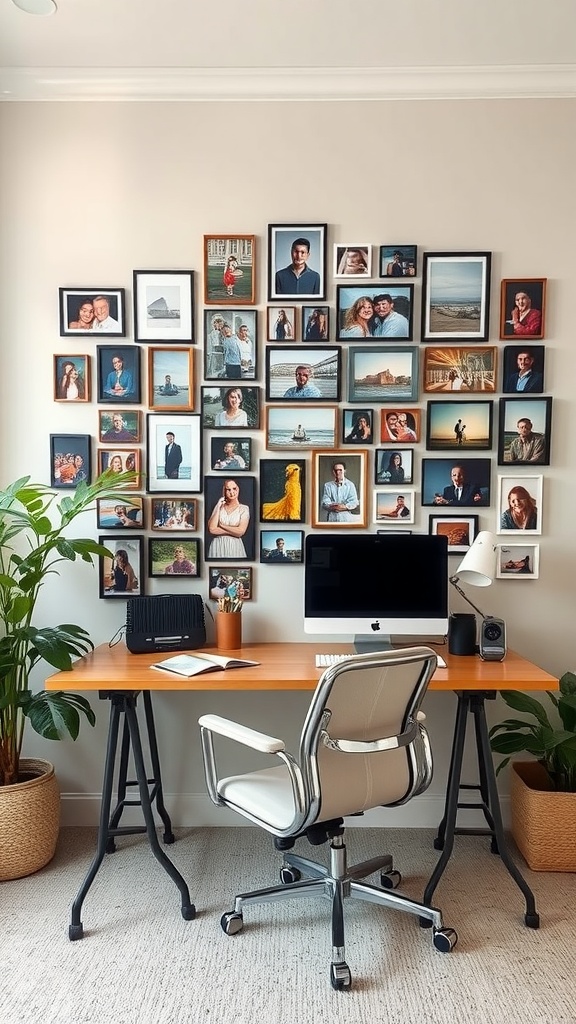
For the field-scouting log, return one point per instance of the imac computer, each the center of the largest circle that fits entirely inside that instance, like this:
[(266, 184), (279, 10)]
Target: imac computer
[(375, 585)]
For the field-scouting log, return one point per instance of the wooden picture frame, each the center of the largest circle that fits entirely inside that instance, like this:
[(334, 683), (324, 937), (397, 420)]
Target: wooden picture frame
[(121, 574), (106, 317), (381, 375), (71, 378), (398, 261), (525, 426), (231, 454), (311, 427), (172, 513), (307, 244), (306, 374), (233, 580), (460, 370), (456, 296), (282, 490), (352, 260), (385, 313), (459, 426), (357, 426), (119, 426), (163, 306), (180, 469), (460, 530), (315, 324), (518, 562), (171, 379), (400, 426), (118, 374), (234, 546), (123, 460), (523, 369), (281, 323), (438, 482), (173, 559), (527, 492), (393, 506), (282, 547), (234, 407), (523, 308), (234, 359), (325, 489), (229, 270), (120, 514), (70, 460), (394, 466)]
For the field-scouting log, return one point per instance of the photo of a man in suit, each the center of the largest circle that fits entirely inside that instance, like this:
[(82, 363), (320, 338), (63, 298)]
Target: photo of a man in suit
[(172, 457), (460, 492)]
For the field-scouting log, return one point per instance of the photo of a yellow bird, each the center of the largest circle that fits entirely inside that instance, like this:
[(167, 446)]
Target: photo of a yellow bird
[(287, 507)]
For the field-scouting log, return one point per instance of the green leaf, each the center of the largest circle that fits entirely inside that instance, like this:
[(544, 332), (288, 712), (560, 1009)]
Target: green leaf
[(527, 705), (52, 715)]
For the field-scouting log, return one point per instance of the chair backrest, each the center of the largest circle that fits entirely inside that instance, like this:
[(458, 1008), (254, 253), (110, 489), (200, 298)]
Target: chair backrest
[(361, 744)]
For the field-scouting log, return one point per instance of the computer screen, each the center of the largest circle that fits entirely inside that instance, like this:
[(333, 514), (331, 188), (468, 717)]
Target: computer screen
[(376, 585)]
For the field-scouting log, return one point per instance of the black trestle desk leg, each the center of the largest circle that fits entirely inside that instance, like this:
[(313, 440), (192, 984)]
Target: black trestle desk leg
[(121, 787), (158, 796)]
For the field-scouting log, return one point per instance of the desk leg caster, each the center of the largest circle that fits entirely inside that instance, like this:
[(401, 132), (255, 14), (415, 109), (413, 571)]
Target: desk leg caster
[(168, 838), (438, 843), (424, 922), (189, 912), (75, 931), (532, 920), (494, 848)]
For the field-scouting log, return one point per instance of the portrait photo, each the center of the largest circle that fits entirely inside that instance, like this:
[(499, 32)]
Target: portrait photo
[(374, 312), (118, 374), (450, 370), (282, 548), (228, 408), (352, 260), (120, 426), (121, 573), (398, 260), (393, 466), (70, 462), (456, 295), (296, 261), (230, 344), (524, 434), (119, 514), (523, 369), (309, 428), (171, 379), (382, 375), (460, 530), (393, 506), (339, 489), (459, 425), (92, 311), (281, 323), (315, 323), (518, 562), (174, 453), (401, 426), (522, 307), (72, 378), (231, 453), (230, 518), (357, 426), (520, 504), (173, 513), (229, 270), (163, 306), (123, 461), (230, 581), (282, 490), (173, 558), (456, 482), (305, 374)]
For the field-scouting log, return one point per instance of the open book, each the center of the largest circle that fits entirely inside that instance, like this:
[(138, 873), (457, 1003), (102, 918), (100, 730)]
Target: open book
[(194, 664)]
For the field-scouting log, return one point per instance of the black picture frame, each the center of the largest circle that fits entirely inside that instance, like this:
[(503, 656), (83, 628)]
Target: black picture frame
[(353, 427), (71, 301), (456, 296), (398, 261), (70, 460), (385, 462), (174, 558), (315, 324), (534, 450), (171, 513), (523, 359), (282, 239), (223, 577), (437, 488), (116, 585), (220, 548), (230, 454), (241, 325), (459, 426), (282, 490), (128, 392), (323, 384), (460, 530), (359, 318), (281, 547)]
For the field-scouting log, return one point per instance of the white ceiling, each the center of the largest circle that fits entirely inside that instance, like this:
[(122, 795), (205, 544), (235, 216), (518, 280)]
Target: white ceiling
[(191, 49)]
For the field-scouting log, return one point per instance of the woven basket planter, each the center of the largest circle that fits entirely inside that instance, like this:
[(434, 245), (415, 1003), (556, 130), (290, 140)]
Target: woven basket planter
[(543, 820), (29, 820)]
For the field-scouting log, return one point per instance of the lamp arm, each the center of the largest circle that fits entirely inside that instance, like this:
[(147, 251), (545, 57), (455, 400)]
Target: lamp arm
[(455, 583)]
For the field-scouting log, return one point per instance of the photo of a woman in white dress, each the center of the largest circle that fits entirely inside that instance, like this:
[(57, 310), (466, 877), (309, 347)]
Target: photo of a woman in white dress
[(228, 523)]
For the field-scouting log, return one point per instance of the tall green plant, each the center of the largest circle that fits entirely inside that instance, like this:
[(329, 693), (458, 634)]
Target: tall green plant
[(31, 547)]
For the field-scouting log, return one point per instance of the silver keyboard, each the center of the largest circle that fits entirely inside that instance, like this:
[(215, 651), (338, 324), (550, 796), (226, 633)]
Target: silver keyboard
[(325, 660)]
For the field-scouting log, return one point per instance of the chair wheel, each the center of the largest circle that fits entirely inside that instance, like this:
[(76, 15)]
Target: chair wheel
[(289, 875), (390, 879), (438, 843), (188, 912), (75, 931), (445, 939), (340, 977), (532, 920), (231, 923)]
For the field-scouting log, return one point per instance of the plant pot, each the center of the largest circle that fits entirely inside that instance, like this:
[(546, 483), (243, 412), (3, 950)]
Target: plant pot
[(29, 820), (228, 631), (543, 820)]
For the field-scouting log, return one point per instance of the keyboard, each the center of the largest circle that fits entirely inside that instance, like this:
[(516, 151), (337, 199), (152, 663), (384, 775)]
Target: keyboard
[(325, 660)]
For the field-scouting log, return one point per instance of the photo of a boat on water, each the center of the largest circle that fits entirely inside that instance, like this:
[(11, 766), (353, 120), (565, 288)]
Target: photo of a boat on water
[(456, 296), (303, 428)]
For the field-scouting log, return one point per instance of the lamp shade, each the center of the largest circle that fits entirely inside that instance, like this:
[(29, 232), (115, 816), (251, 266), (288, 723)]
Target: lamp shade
[(36, 6), (478, 566)]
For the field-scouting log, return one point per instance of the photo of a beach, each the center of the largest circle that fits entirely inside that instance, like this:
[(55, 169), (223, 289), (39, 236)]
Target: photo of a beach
[(456, 293)]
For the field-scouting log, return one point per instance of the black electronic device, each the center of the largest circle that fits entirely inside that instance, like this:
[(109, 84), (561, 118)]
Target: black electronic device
[(493, 639), (462, 633), (166, 622)]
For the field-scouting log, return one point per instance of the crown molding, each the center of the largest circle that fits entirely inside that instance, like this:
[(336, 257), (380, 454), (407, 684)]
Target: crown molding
[(530, 81)]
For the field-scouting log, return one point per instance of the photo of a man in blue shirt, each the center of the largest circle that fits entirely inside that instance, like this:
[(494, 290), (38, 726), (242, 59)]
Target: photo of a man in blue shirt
[(298, 278)]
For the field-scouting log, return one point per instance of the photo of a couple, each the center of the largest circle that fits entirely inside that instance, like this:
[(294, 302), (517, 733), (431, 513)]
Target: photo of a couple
[(87, 310)]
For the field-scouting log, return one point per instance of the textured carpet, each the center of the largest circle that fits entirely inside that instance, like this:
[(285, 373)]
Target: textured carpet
[(140, 961)]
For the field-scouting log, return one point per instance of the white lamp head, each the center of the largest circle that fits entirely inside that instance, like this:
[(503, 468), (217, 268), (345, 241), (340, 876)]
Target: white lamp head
[(478, 566), (36, 6)]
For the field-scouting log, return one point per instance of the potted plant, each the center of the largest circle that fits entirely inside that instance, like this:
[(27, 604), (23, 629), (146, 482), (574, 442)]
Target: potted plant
[(32, 543), (542, 791)]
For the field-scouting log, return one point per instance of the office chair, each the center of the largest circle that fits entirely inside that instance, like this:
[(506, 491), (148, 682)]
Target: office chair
[(362, 745)]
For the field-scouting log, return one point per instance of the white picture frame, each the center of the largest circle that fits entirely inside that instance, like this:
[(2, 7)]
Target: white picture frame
[(529, 489), (352, 260), (386, 507), (518, 562)]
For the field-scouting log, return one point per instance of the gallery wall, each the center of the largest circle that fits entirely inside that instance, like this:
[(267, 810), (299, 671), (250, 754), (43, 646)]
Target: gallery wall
[(90, 192)]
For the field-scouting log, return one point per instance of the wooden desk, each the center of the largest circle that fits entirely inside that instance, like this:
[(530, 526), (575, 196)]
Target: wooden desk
[(120, 676)]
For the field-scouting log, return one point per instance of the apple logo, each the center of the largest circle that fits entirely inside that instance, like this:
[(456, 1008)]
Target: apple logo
[(375, 626)]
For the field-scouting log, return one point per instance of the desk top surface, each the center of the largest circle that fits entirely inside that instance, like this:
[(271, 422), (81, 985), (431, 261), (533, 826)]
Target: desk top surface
[(283, 666)]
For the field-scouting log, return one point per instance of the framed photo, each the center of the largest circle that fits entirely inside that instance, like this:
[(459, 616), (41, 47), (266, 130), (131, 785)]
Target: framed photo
[(280, 323), (230, 408), (118, 374), (282, 490), (121, 426), (70, 461), (523, 369), (231, 580), (401, 426), (357, 426), (460, 530), (173, 513), (315, 323), (382, 375), (306, 374), (282, 548), (230, 514), (456, 296), (459, 426), (352, 260), (460, 370), (119, 514), (163, 306), (518, 562), (123, 461), (309, 428), (122, 572), (524, 434), (231, 454), (370, 312), (174, 451), (522, 307), (393, 506), (171, 379), (339, 489), (229, 269), (520, 504), (230, 344), (398, 260), (72, 378), (296, 261), (92, 311), (456, 482), (173, 558), (394, 467)]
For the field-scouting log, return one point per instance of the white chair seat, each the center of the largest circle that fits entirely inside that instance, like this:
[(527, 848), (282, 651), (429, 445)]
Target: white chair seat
[(267, 795)]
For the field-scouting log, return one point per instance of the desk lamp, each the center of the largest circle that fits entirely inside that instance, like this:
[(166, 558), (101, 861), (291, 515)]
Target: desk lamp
[(478, 567), (36, 6)]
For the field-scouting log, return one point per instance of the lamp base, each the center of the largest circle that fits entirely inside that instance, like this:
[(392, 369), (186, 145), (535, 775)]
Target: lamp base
[(462, 634)]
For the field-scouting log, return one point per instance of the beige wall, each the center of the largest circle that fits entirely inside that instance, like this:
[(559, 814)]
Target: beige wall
[(90, 192)]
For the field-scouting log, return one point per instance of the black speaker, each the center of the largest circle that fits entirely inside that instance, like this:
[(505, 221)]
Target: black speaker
[(167, 622), (493, 639), (462, 633)]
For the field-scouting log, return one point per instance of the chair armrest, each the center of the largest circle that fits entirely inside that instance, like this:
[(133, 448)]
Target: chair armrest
[(241, 734)]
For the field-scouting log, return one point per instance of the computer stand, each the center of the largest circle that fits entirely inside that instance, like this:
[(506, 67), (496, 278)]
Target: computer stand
[(369, 643)]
